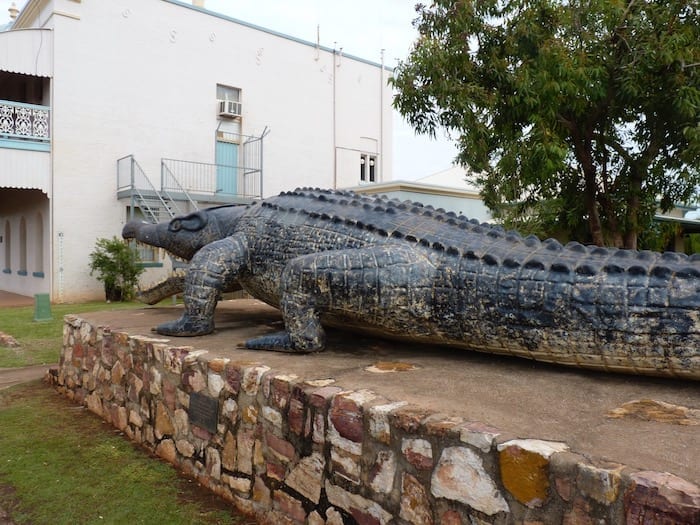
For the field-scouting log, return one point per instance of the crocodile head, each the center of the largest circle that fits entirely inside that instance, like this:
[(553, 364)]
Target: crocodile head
[(183, 236)]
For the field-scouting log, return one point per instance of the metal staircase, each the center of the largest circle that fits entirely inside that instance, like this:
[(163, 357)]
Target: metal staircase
[(156, 205)]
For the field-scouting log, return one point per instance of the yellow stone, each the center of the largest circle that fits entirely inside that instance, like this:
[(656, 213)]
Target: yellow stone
[(524, 474)]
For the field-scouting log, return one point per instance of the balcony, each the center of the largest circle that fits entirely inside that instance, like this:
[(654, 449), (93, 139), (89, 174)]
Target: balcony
[(24, 126), (25, 146)]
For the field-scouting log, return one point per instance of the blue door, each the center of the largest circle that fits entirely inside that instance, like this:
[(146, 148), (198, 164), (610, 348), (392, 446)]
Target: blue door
[(226, 167)]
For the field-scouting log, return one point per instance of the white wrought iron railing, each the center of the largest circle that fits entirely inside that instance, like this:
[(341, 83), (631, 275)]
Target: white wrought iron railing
[(24, 121)]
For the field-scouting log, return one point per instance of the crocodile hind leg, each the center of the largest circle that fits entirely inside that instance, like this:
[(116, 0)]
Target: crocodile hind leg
[(362, 283), (213, 270)]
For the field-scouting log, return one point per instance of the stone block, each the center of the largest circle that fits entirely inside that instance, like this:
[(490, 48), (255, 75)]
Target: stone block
[(409, 418), (363, 510), (244, 451), (415, 504), (215, 383), (280, 389), (307, 477), (185, 448), (272, 416), (524, 465), (252, 376), (345, 414), (228, 453), (166, 450), (418, 452), (460, 476), (600, 484), (321, 398), (297, 412), (290, 506), (379, 426), (164, 424), (346, 465), (282, 449), (382, 473), (261, 493), (229, 410), (478, 435), (660, 497), (213, 462)]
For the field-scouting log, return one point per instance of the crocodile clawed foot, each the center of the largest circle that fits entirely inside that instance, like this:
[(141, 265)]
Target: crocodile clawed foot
[(186, 327), (277, 342)]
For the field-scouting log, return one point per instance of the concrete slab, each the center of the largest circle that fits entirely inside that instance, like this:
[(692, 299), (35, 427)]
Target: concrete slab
[(520, 397)]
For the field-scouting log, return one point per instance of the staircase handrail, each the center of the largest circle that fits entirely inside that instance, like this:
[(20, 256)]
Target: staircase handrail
[(165, 170), (134, 170)]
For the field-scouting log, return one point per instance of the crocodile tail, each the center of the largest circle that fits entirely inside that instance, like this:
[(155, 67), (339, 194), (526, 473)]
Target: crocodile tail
[(172, 285)]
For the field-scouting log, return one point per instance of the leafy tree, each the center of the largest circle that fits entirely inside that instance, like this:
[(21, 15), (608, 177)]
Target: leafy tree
[(585, 110), (118, 266)]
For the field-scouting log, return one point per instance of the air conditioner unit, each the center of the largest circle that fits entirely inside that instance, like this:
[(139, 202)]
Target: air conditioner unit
[(229, 109)]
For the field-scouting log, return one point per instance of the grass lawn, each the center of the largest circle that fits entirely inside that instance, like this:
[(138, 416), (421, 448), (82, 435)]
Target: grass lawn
[(40, 341), (60, 464)]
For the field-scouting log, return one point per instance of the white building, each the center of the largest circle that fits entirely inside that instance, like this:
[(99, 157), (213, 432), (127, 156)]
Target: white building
[(99, 100)]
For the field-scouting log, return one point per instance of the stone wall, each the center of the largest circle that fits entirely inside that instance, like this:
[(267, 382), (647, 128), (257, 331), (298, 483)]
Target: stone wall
[(297, 452)]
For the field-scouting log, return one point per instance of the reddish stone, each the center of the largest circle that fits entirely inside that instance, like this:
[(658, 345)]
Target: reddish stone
[(296, 416), (451, 517), (657, 497), (408, 418), (346, 417), (201, 433), (320, 398), (78, 351), (233, 377), (363, 518), (276, 471), (169, 394), (284, 449), (290, 506), (280, 390), (415, 505)]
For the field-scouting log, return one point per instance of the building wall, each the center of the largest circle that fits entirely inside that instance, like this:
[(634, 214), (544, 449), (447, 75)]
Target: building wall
[(24, 228), (139, 77)]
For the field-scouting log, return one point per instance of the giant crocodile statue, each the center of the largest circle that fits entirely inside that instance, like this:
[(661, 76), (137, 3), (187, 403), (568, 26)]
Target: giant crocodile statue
[(408, 271)]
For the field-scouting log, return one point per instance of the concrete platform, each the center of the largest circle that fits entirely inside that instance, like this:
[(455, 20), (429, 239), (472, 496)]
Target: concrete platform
[(519, 397)]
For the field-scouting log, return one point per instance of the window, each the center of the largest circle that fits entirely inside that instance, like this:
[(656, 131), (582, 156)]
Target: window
[(148, 254), (8, 248), (228, 93), (39, 247), (368, 168), (22, 247), (229, 100)]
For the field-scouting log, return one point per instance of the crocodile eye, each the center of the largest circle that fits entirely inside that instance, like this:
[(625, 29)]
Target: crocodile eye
[(175, 225)]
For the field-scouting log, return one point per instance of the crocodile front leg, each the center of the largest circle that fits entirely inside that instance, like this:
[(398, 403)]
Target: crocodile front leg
[(213, 269)]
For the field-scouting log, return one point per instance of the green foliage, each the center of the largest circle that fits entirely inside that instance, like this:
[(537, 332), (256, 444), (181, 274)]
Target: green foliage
[(590, 106), (118, 266), (62, 465), (692, 243), (40, 343)]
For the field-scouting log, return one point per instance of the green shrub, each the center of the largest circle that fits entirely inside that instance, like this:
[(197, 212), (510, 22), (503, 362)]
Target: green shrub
[(118, 266)]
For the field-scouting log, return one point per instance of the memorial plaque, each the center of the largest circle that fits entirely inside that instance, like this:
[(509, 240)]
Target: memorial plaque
[(204, 412)]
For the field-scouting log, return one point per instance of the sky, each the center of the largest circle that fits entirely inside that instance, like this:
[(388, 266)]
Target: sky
[(361, 28)]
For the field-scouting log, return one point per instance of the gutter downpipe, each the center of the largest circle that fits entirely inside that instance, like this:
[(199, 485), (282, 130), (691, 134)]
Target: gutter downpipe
[(335, 148), (381, 119)]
